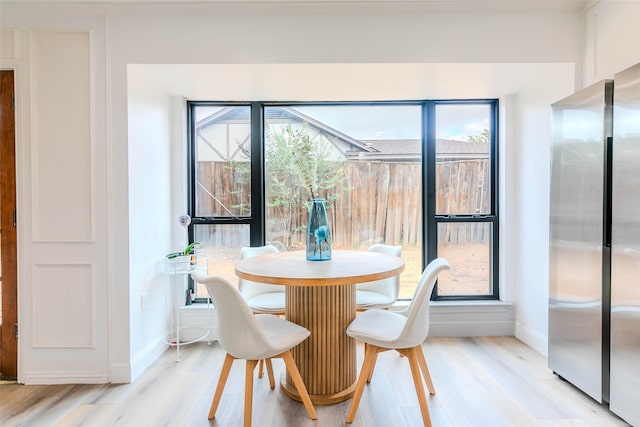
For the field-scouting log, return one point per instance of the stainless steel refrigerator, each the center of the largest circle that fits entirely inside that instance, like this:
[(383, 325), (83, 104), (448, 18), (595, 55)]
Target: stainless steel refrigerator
[(625, 248), (579, 279), (594, 266)]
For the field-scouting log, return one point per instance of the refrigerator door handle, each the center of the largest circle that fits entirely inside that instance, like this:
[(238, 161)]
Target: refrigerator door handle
[(608, 202)]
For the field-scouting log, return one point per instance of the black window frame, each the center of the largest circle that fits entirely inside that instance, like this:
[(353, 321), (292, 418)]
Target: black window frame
[(432, 220), (256, 220)]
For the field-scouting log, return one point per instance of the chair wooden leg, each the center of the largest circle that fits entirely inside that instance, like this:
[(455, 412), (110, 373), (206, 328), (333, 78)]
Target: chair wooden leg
[(272, 382), (370, 355), (224, 374), (412, 355), (373, 365), (248, 391), (261, 368), (297, 381), (425, 370)]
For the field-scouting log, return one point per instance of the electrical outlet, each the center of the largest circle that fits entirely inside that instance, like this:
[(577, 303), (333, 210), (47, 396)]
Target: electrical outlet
[(144, 301)]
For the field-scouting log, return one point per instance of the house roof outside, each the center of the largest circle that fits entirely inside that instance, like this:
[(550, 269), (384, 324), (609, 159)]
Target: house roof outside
[(398, 150)]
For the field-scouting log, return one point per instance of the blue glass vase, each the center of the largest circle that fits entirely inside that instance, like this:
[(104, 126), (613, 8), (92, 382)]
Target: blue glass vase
[(318, 232)]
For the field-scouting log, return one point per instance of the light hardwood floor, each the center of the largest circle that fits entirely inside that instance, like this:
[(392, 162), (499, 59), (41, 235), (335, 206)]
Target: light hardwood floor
[(496, 381)]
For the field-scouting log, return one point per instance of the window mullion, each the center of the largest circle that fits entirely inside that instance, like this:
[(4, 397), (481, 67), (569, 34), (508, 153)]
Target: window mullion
[(258, 200), (429, 183)]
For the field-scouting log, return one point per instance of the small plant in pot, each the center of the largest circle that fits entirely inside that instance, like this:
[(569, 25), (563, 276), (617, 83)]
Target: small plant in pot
[(189, 250)]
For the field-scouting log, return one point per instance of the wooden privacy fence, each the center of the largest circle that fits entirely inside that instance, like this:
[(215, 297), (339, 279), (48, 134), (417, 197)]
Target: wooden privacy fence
[(374, 202)]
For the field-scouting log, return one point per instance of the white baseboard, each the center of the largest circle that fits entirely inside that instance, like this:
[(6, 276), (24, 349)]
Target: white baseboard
[(145, 358), (58, 377), (120, 372), (532, 338), (195, 316)]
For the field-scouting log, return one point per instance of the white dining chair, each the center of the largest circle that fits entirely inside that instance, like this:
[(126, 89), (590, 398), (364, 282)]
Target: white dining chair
[(381, 293), (262, 297), (245, 335), (404, 331)]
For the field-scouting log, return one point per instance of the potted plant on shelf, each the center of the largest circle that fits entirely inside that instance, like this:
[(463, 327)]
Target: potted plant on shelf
[(187, 252)]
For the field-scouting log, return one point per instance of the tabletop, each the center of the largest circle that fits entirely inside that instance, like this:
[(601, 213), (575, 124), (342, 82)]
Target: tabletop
[(344, 268)]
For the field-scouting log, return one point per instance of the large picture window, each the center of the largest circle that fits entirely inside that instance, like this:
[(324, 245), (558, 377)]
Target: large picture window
[(416, 174)]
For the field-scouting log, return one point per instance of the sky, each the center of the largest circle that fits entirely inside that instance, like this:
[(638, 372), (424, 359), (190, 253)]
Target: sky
[(458, 122), (401, 121)]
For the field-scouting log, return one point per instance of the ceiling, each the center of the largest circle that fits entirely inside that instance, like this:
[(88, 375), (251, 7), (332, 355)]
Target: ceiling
[(388, 4)]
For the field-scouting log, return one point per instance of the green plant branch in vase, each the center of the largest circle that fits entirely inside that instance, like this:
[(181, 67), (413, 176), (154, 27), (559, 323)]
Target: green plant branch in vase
[(310, 161), (305, 160)]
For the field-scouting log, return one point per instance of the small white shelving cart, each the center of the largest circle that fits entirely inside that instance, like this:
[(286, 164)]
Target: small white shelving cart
[(176, 270)]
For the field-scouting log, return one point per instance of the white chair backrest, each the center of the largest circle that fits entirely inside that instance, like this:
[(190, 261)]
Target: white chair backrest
[(238, 331), (249, 288), (389, 286), (417, 327)]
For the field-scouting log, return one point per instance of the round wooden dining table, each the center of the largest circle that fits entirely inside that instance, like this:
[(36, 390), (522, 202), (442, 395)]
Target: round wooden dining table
[(320, 296)]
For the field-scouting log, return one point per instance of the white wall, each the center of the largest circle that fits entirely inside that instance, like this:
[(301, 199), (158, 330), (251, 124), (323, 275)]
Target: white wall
[(531, 284), (124, 108), (63, 287), (612, 36), (150, 203)]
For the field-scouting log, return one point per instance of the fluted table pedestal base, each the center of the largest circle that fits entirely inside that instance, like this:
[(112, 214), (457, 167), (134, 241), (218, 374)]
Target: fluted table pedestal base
[(327, 359)]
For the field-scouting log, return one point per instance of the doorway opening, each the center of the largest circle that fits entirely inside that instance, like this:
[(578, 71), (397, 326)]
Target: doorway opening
[(8, 231)]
